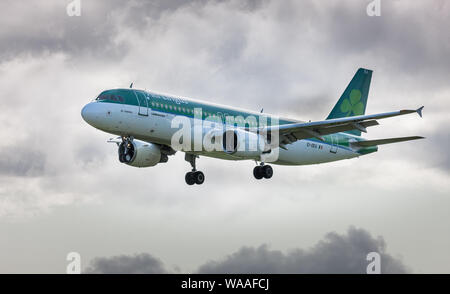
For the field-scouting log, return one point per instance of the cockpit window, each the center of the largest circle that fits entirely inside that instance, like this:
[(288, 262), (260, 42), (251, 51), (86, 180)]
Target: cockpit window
[(110, 97), (103, 97)]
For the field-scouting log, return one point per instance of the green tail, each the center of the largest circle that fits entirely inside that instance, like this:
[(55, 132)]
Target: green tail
[(354, 99)]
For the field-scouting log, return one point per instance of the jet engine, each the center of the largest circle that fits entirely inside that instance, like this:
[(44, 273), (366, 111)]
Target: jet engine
[(140, 154)]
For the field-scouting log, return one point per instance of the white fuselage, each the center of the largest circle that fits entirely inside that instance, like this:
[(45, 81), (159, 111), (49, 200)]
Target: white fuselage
[(156, 127)]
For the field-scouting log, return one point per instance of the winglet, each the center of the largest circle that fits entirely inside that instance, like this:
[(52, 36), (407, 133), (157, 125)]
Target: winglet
[(419, 111)]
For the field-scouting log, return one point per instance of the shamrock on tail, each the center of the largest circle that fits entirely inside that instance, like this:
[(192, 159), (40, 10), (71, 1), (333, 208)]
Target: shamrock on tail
[(353, 104)]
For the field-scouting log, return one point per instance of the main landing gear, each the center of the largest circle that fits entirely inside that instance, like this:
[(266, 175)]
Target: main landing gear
[(194, 176), (263, 171)]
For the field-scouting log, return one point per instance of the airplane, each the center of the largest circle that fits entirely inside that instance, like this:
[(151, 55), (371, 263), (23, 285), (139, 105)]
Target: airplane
[(148, 128)]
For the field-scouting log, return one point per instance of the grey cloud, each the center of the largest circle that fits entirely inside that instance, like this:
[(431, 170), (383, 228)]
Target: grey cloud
[(340, 31), (139, 13), (400, 32), (337, 254), (22, 160), (407, 40), (51, 30), (401, 37), (431, 152), (436, 149), (88, 153), (138, 264), (44, 28)]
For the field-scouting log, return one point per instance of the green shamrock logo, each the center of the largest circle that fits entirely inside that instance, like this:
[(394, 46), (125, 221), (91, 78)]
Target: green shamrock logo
[(353, 104)]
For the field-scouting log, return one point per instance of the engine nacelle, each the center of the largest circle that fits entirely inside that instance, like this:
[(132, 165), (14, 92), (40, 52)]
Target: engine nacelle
[(244, 144), (140, 154)]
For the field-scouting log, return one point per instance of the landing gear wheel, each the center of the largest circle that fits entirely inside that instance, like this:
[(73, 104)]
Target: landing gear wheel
[(263, 171), (267, 171), (199, 177), (189, 178), (194, 176), (257, 172)]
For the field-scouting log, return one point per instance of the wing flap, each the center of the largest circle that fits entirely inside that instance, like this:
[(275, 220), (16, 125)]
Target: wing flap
[(369, 143), (306, 133)]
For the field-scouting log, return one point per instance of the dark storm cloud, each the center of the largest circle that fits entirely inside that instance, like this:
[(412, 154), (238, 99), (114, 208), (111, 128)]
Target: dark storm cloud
[(138, 264), (335, 254)]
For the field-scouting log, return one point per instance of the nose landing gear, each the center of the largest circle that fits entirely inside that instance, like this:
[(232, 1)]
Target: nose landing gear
[(194, 176)]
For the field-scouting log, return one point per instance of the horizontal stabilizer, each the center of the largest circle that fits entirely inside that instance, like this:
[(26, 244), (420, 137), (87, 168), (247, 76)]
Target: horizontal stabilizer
[(369, 143)]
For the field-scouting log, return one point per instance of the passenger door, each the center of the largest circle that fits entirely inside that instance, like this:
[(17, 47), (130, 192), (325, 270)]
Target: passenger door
[(143, 103)]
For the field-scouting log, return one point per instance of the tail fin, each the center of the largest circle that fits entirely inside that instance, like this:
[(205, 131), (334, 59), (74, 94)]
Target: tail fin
[(354, 99)]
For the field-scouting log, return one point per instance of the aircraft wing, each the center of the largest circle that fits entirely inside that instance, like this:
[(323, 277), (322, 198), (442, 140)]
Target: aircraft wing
[(290, 133)]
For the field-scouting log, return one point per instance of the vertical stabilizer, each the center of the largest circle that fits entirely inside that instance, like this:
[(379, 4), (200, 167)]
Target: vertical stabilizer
[(354, 99)]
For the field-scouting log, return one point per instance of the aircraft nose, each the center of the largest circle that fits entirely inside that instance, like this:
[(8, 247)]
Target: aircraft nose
[(87, 113)]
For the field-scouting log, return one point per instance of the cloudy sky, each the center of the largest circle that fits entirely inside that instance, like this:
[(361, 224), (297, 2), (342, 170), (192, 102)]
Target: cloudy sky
[(62, 188)]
